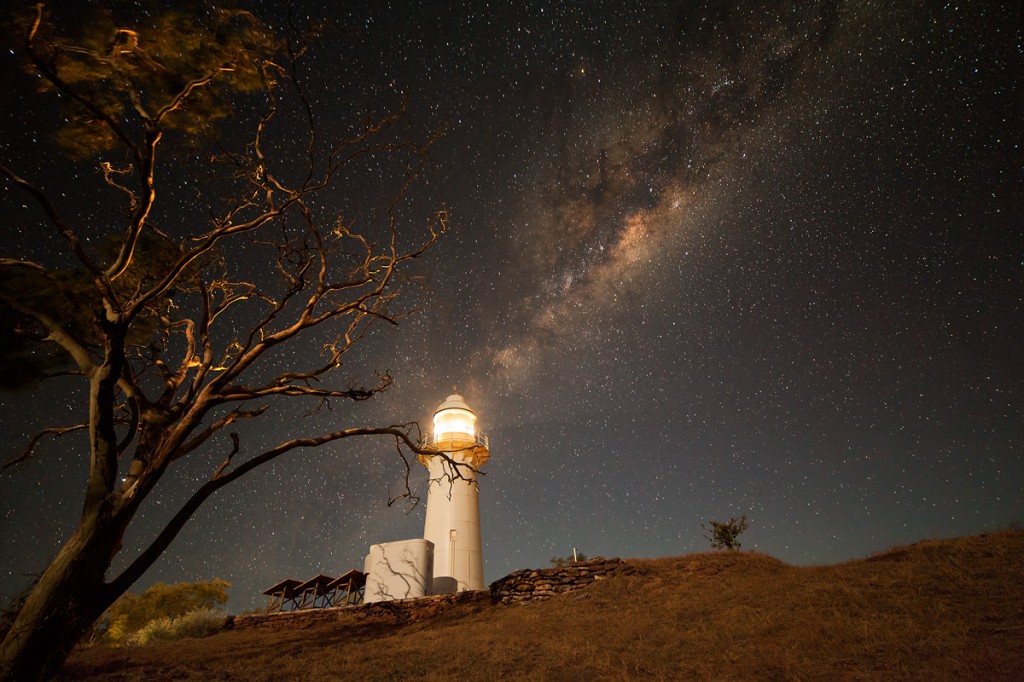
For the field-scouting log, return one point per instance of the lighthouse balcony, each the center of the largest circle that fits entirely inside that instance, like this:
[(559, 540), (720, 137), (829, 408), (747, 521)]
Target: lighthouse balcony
[(467, 447)]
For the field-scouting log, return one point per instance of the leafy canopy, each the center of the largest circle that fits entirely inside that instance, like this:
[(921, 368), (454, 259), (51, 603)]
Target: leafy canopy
[(119, 68), (132, 612), (70, 296)]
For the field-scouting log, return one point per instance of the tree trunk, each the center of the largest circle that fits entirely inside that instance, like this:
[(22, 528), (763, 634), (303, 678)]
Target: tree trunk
[(63, 604)]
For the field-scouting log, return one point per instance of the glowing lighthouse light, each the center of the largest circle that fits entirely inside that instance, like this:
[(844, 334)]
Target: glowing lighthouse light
[(453, 505), (453, 422)]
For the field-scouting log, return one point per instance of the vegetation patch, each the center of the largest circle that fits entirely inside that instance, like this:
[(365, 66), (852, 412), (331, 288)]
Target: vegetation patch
[(199, 623)]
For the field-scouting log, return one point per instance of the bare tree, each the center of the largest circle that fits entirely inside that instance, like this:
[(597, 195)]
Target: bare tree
[(173, 346)]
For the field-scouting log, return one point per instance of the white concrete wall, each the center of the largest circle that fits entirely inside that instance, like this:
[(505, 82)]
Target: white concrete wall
[(398, 570)]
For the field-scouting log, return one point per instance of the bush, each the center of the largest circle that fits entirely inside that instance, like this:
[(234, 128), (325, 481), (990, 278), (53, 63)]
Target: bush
[(725, 534), (132, 612), (199, 623)]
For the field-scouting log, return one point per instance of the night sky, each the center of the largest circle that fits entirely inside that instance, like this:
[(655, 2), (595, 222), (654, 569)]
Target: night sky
[(704, 260)]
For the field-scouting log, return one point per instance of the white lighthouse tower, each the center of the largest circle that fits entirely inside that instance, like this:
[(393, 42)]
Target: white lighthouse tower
[(453, 505)]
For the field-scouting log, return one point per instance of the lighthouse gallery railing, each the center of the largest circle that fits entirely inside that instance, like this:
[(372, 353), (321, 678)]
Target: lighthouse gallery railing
[(459, 436)]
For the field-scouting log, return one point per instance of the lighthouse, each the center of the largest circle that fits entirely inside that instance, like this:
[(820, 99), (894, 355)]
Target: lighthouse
[(453, 504)]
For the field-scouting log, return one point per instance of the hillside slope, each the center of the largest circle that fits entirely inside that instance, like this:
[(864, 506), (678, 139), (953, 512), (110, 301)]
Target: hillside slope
[(935, 610)]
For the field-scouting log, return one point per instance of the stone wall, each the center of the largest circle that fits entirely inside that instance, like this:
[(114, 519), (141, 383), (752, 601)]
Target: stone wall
[(540, 584), (287, 619), (521, 586), (397, 611)]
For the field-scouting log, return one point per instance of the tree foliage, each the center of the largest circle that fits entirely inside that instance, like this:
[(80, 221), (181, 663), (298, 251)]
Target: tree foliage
[(111, 70), (173, 314), (132, 612), (725, 534), (69, 295)]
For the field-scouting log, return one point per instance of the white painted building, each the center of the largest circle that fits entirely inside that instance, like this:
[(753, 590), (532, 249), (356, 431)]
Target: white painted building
[(398, 570)]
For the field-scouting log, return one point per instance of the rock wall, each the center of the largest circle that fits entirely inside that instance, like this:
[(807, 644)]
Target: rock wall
[(287, 619), (522, 586), (540, 584), (397, 611)]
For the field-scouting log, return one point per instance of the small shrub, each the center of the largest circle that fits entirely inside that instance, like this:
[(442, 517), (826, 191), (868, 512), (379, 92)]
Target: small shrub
[(158, 628), (725, 534), (199, 623)]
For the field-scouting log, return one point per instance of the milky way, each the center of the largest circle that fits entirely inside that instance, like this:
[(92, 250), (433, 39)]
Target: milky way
[(628, 152), (705, 259)]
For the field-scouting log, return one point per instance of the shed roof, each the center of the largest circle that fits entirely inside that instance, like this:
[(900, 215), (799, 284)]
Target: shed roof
[(286, 585), (358, 579), (320, 581)]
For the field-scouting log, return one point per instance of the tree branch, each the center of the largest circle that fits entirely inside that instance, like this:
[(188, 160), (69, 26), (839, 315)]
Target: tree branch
[(56, 431), (56, 334), (213, 428), (66, 231), (223, 477)]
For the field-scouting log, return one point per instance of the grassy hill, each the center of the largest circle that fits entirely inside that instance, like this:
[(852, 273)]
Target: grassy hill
[(935, 610)]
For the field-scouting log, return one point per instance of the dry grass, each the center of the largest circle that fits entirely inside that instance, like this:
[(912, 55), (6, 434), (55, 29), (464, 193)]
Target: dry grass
[(936, 610)]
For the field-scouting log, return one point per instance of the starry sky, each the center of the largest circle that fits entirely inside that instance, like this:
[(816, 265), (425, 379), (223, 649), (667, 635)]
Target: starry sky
[(705, 259)]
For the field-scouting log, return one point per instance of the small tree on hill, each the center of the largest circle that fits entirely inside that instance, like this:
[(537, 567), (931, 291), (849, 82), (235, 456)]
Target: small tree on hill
[(725, 534)]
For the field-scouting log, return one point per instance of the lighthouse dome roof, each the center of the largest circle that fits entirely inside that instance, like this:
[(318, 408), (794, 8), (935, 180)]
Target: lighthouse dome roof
[(454, 402)]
